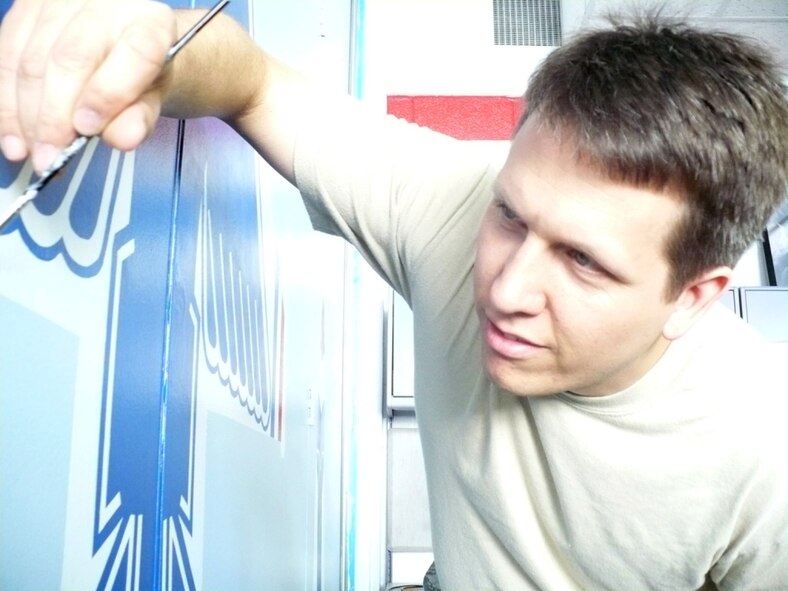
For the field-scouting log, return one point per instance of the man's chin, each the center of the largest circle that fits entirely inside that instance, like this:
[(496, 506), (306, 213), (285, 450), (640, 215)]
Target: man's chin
[(519, 385)]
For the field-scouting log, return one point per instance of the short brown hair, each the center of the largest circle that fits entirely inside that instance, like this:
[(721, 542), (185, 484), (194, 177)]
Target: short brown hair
[(657, 103)]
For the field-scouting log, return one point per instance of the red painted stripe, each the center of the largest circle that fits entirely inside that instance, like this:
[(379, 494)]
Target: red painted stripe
[(463, 117)]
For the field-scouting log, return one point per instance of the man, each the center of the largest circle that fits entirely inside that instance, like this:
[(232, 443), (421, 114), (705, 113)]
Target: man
[(590, 418)]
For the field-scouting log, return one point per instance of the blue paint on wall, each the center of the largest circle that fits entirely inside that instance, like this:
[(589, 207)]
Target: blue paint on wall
[(131, 406)]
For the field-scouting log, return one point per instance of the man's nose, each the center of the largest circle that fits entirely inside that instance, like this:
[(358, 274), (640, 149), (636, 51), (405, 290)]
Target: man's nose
[(520, 287)]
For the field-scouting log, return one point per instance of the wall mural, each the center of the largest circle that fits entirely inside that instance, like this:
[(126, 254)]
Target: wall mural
[(153, 271)]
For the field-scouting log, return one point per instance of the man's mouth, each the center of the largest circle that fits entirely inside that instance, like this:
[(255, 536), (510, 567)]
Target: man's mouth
[(507, 344)]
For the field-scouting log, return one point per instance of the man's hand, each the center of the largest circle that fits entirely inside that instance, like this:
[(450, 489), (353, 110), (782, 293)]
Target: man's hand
[(96, 67), (88, 67)]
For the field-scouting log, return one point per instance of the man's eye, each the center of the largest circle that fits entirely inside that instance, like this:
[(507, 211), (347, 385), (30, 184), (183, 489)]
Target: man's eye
[(581, 258), (505, 211), (584, 261)]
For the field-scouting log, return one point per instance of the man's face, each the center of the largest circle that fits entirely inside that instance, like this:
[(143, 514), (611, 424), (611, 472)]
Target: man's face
[(570, 274)]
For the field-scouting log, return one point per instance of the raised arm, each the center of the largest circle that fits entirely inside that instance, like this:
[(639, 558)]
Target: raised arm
[(96, 67)]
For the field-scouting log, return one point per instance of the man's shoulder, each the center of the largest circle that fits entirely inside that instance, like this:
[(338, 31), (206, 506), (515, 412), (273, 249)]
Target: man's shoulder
[(725, 340), (744, 373), (735, 368)]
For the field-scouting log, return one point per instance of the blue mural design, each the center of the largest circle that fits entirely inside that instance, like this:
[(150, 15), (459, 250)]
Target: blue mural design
[(218, 319), (211, 194), (72, 215), (128, 477), (174, 230), (218, 196)]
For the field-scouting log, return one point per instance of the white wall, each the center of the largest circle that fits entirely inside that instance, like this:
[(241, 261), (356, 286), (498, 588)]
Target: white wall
[(441, 47)]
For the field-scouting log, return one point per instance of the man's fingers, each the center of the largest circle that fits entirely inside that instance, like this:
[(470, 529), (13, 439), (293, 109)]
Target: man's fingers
[(15, 29), (34, 62), (71, 67), (129, 69), (132, 126), (72, 60)]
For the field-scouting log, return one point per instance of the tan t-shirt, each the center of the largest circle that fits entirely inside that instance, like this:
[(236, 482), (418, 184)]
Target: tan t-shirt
[(679, 477)]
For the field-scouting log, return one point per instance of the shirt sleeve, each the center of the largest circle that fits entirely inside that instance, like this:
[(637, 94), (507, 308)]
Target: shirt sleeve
[(393, 189), (756, 557)]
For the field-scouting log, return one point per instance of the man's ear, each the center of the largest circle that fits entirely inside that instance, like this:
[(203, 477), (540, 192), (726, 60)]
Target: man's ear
[(697, 297)]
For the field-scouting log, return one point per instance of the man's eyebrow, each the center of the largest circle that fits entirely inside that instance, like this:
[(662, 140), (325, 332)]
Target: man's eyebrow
[(499, 196), (498, 188), (612, 264), (598, 254)]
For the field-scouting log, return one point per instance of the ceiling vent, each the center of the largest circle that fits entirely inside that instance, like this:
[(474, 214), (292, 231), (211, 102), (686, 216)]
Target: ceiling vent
[(527, 22)]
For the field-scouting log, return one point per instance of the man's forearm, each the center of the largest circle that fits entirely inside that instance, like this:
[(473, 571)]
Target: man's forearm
[(219, 73), (226, 74)]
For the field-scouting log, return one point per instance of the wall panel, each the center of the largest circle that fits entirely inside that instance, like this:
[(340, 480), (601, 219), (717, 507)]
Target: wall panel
[(166, 348)]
